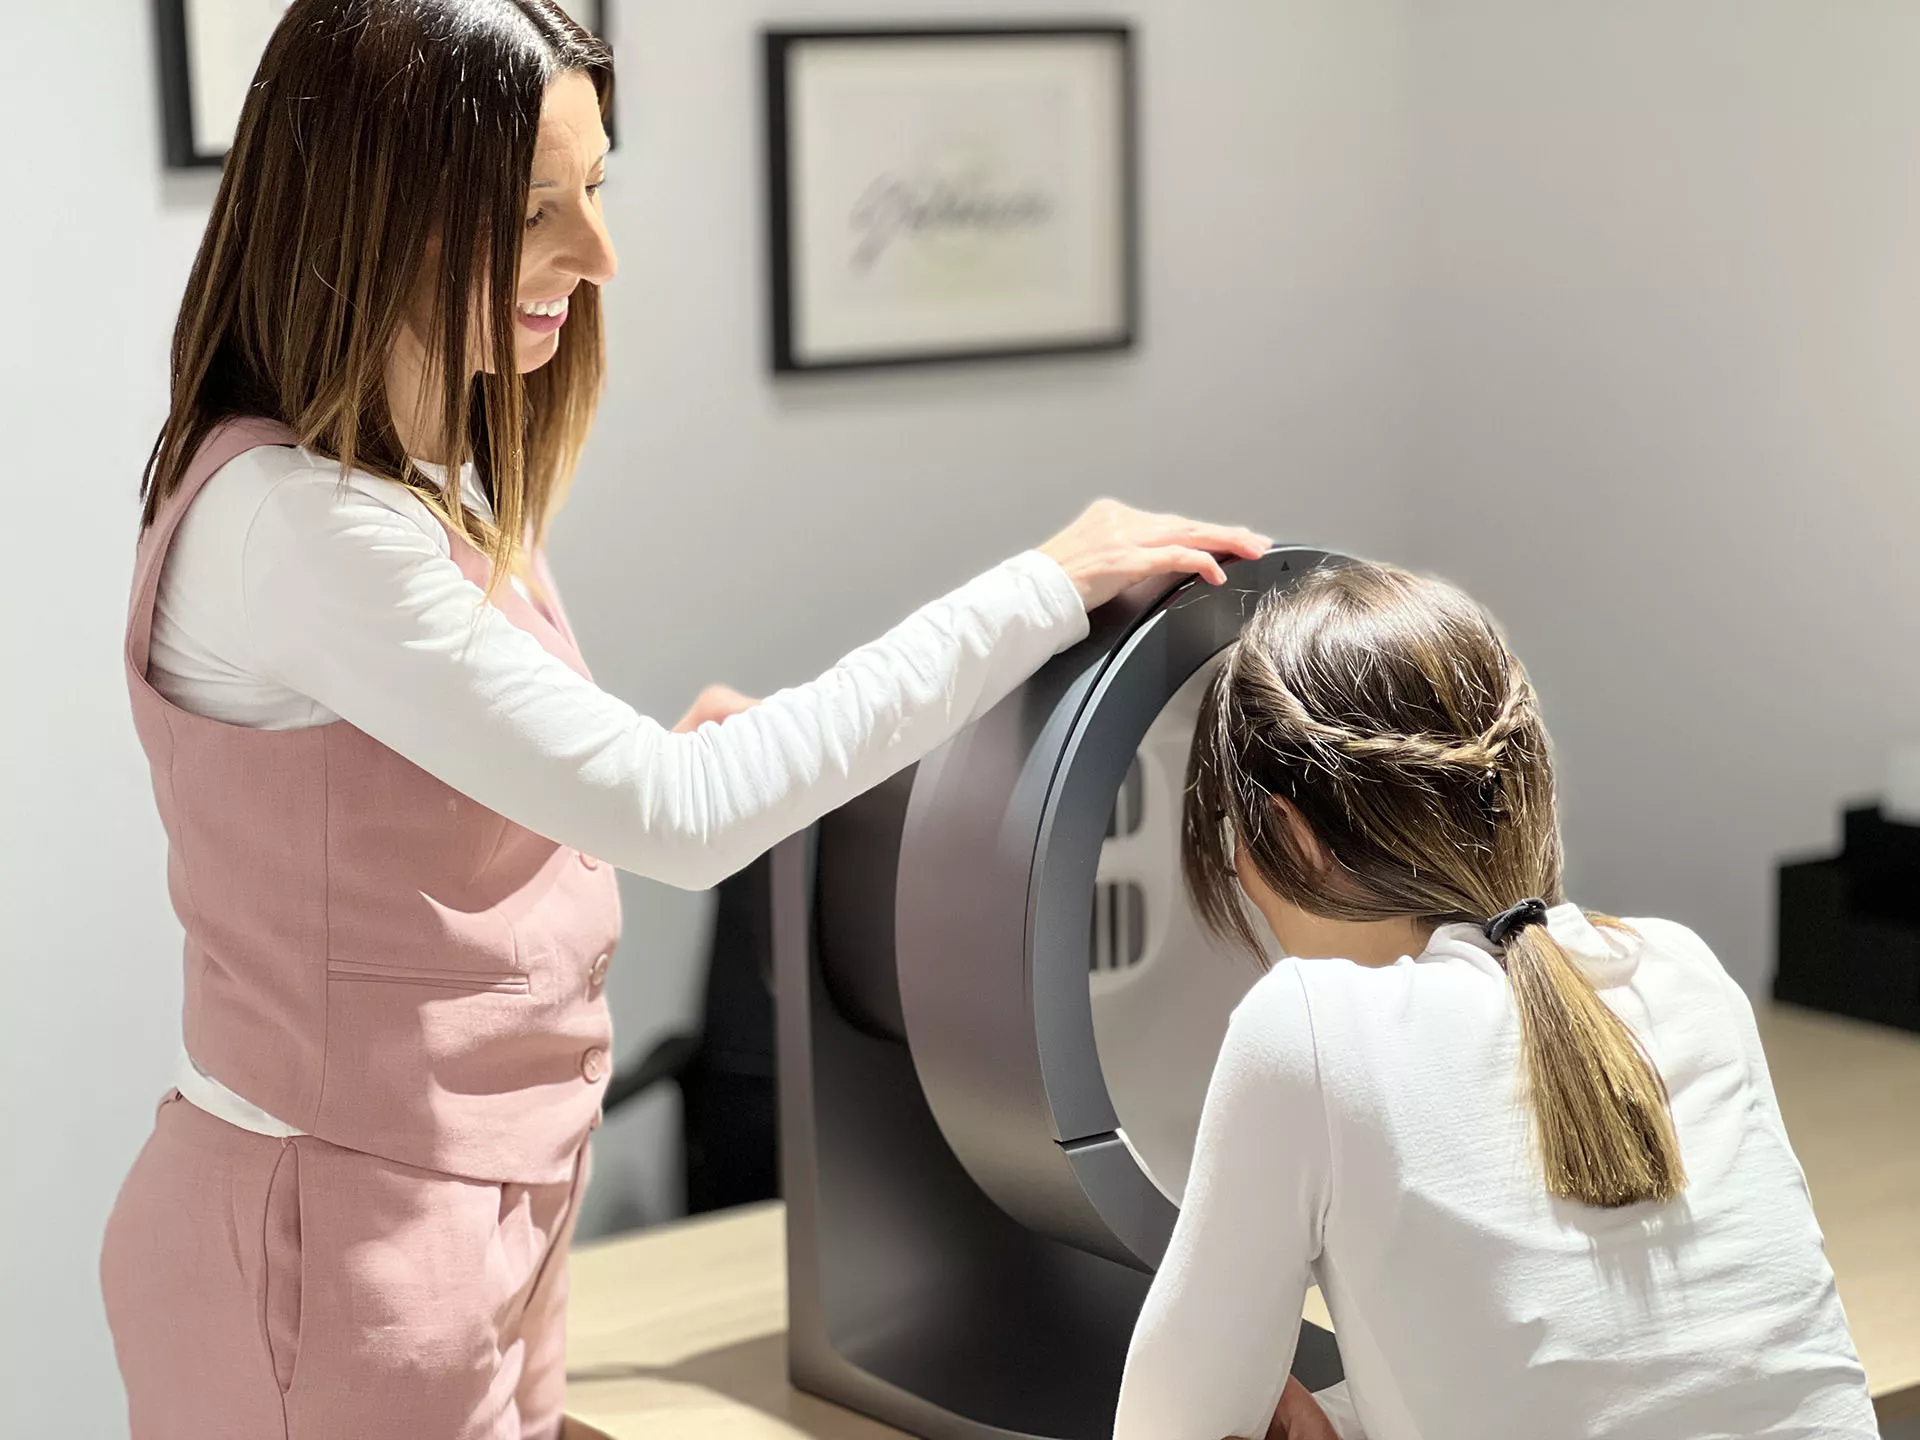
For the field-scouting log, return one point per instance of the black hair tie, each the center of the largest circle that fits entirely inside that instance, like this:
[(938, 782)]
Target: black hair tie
[(1509, 922)]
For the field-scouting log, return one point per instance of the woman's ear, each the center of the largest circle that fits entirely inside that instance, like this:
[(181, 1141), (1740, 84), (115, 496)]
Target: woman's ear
[(1300, 838)]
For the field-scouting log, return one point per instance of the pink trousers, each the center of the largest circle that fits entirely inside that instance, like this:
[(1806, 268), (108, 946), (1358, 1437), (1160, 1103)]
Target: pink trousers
[(264, 1289)]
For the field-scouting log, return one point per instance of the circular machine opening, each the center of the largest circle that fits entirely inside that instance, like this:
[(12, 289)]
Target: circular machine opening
[(1162, 987)]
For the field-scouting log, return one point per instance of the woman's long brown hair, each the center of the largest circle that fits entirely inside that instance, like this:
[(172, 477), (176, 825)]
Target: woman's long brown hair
[(1386, 711), (385, 148)]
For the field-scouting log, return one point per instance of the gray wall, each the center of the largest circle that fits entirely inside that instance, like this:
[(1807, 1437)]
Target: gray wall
[(1665, 291), (96, 247)]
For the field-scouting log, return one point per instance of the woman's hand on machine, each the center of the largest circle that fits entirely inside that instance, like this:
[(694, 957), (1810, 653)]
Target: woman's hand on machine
[(1112, 546), (1299, 1416), (715, 703)]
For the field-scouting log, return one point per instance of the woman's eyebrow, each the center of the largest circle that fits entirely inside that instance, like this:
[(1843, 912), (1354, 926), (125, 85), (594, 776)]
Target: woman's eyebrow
[(554, 184)]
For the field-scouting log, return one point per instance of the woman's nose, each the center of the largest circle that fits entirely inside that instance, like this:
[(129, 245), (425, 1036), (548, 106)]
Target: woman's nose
[(591, 248)]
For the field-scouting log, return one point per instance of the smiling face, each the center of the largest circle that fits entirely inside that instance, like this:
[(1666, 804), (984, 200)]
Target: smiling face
[(563, 243), (566, 239)]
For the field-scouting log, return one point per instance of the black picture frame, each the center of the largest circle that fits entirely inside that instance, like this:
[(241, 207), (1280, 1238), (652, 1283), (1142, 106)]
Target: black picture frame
[(183, 148), (781, 47)]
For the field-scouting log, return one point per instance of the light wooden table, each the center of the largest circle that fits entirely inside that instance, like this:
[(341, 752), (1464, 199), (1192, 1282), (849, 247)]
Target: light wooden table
[(1850, 1094), (680, 1332)]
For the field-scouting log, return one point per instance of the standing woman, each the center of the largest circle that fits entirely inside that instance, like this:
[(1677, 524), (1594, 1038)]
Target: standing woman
[(393, 796)]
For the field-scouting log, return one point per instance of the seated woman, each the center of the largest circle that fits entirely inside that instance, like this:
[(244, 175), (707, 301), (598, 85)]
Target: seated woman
[(1530, 1155)]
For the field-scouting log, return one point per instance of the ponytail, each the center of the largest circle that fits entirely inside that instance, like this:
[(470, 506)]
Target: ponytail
[(1600, 1108)]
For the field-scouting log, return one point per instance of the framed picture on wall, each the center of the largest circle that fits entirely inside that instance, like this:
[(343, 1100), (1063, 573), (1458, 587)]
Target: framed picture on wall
[(208, 52), (950, 194)]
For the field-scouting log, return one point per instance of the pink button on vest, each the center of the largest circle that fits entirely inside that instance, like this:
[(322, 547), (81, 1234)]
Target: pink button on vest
[(371, 956)]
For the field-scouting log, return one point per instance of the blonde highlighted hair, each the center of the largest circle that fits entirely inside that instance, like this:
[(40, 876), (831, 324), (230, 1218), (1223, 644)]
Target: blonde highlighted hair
[(1386, 711)]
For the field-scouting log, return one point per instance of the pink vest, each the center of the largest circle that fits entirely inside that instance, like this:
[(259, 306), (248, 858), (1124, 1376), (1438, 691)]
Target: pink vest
[(371, 956)]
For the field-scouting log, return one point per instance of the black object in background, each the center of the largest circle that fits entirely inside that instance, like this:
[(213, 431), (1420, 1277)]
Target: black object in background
[(1849, 927), (179, 28), (725, 1074)]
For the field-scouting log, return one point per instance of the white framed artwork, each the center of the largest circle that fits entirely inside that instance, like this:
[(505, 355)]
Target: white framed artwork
[(947, 194)]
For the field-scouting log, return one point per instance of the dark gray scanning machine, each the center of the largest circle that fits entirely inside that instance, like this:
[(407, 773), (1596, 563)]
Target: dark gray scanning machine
[(997, 1019)]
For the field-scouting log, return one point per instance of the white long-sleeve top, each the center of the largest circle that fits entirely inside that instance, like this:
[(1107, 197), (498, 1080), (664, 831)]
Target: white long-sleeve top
[(1365, 1129), (290, 598)]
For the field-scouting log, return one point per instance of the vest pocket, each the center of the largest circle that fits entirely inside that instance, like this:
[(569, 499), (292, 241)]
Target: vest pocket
[(508, 982)]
